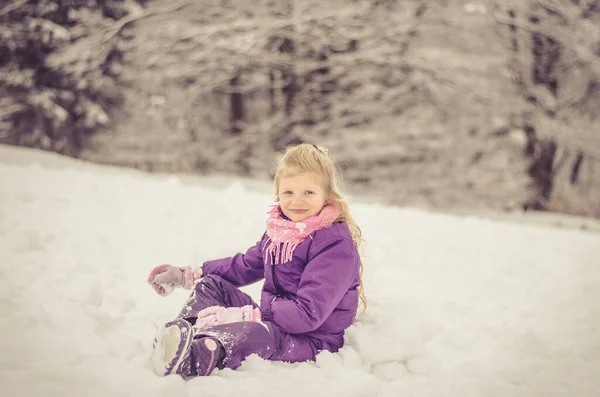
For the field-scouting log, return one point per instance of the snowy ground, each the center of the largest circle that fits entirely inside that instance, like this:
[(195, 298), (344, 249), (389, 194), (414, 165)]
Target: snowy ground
[(459, 306)]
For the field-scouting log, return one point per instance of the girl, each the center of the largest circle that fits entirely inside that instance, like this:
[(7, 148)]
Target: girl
[(309, 260)]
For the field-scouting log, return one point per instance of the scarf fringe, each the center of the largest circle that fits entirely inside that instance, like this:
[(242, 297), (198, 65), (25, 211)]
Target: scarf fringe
[(280, 253)]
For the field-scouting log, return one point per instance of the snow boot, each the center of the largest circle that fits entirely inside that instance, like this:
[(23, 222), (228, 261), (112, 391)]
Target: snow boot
[(172, 350), (176, 351)]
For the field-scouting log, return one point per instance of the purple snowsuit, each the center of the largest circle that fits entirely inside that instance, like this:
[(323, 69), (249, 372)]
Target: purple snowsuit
[(306, 303)]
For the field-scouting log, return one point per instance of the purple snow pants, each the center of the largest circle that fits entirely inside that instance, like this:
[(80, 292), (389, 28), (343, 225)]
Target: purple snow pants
[(242, 339)]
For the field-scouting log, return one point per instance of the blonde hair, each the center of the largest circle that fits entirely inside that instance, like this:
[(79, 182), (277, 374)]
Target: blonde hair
[(306, 157)]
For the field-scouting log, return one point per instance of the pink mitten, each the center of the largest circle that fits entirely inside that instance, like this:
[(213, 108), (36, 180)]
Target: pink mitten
[(165, 278), (217, 315)]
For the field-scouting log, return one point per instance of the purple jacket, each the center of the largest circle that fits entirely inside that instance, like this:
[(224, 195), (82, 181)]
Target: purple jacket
[(314, 294)]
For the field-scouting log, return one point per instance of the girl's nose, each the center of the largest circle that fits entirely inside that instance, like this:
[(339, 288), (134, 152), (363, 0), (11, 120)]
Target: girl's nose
[(297, 200)]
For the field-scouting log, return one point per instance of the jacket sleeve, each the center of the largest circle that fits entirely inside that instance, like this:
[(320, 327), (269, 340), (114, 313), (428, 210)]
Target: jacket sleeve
[(240, 269), (327, 277)]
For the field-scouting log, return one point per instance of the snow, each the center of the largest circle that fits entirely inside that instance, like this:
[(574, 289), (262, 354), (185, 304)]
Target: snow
[(458, 305)]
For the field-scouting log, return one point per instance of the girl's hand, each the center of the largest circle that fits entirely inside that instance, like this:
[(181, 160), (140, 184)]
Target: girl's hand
[(165, 278)]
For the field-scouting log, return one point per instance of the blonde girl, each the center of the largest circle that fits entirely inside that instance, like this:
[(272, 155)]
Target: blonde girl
[(309, 261)]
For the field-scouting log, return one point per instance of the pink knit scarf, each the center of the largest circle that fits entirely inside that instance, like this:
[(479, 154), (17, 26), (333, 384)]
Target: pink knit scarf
[(285, 235)]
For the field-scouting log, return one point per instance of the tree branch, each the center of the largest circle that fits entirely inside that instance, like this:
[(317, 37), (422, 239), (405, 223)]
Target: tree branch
[(12, 7), (115, 29), (567, 42)]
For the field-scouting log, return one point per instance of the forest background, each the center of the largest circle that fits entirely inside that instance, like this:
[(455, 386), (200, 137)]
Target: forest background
[(446, 104)]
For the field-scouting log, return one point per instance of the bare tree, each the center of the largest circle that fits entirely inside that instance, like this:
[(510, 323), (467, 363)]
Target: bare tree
[(556, 64), (291, 70)]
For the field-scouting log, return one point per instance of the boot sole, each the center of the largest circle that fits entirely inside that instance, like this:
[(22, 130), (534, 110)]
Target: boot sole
[(169, 341)]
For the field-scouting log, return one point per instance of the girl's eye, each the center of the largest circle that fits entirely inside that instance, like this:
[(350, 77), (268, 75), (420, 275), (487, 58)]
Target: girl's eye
[(287, 192), (308, 192)]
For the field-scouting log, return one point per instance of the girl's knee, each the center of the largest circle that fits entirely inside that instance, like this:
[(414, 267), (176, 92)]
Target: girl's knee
[(210, 279)]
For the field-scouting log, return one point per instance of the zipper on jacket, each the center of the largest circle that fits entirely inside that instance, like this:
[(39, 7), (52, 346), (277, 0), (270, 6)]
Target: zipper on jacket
[(278, 290)]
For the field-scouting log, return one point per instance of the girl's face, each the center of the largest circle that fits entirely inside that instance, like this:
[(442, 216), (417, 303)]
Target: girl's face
[(301, 195)]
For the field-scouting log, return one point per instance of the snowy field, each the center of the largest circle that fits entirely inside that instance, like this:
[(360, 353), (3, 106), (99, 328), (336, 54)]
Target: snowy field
[(459, 306)]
